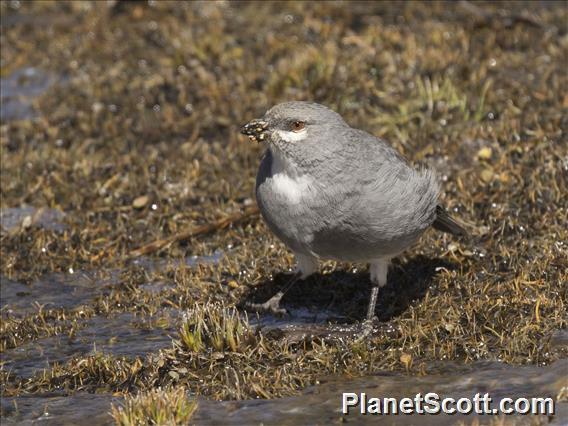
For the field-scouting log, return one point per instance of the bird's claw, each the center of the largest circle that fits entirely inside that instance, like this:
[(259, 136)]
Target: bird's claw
[(367, 328), (271, 306)]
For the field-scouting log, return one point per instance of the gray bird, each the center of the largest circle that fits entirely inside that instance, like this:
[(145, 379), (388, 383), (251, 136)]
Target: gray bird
[(330, 191)]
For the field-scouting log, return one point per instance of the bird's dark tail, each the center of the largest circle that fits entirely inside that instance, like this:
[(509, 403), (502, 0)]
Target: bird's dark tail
[(445, 223)]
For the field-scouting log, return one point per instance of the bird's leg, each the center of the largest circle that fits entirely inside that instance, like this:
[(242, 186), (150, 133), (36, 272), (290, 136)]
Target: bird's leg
[(306, 266), (372, 303), (379, 271)]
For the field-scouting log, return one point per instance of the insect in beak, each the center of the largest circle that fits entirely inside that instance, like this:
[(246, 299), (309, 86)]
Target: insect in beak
[(255, 130)]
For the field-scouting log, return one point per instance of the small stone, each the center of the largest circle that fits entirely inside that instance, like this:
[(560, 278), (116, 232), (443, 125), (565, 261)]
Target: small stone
[(27, 222), (98, 107), (487, 175), (140, 202), (484, 153)]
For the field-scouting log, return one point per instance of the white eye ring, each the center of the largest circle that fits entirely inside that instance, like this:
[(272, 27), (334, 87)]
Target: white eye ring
[(292, 136)]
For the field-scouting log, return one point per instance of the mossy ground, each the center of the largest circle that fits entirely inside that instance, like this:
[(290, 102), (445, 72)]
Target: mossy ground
[(140, 141)]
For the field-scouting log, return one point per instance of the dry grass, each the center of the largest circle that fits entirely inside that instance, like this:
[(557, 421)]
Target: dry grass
[(217, 328), (156, 407)]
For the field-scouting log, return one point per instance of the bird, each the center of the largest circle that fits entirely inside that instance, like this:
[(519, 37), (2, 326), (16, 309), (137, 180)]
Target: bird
[(329, 191)]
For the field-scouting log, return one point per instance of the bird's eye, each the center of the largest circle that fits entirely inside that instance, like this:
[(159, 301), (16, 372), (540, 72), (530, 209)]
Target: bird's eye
[(298, 126)]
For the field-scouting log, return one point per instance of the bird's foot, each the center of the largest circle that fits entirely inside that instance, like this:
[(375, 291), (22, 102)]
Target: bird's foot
[(367, 328), (271, 306)]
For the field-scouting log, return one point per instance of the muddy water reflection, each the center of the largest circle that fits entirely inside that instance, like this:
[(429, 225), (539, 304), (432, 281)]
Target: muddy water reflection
[(89, 409), (124, 334), (76, 288), (53, 291)]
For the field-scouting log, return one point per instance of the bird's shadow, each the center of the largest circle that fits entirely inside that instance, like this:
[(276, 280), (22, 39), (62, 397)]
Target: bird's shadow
[(346, 294)]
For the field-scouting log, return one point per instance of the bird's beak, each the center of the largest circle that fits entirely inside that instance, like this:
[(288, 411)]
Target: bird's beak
[(255, 130)]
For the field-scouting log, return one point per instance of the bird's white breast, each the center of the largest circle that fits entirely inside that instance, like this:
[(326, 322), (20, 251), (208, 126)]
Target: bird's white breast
[(287, 182), (291, 188)]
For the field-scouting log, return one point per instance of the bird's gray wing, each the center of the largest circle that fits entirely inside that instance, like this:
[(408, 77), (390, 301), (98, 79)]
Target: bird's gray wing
[(379, 199)]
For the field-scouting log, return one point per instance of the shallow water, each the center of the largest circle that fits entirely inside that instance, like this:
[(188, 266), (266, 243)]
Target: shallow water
[(76, 288), (19, 90), (122, 335), (125, 334), (14, 217), (322, 404), (53, 291), (58, 410)]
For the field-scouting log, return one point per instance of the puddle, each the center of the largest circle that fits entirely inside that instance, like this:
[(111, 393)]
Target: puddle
[(35, 19), (52, 291), (91, 409), (322, 404), (19, 90), (59, 290), (559, 339), (122, 335), (13, 218)]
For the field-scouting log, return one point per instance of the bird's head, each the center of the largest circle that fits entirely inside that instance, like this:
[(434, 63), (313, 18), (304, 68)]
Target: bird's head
[(294, 129)]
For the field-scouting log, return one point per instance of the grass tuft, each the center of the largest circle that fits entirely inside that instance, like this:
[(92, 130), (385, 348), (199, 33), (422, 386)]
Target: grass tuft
[(215, 327), (169, 406)]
